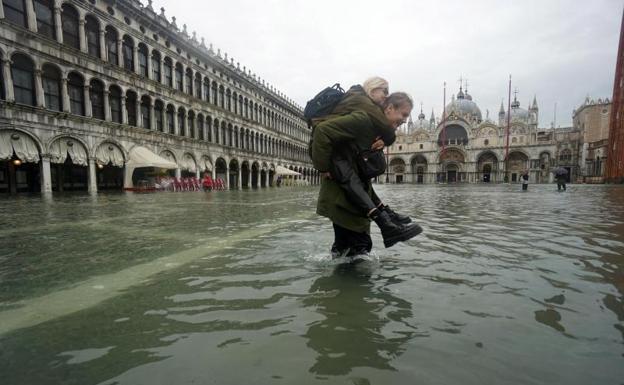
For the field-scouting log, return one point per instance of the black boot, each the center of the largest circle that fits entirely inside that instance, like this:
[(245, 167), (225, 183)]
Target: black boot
[(393, 232), (394, 216)]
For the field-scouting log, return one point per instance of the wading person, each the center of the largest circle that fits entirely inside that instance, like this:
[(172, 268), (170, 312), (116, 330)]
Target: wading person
[(347, 202), (525, 180)]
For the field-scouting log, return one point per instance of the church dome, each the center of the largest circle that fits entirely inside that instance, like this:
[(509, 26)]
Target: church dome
[(462, 107), (518, 113)]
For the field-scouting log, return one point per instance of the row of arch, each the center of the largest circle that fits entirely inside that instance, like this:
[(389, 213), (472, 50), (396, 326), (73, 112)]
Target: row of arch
[(72, 27), (48, 87), (73, 151)]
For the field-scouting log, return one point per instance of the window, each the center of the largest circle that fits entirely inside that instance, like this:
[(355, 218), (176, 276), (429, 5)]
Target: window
[(131, 108), (209, 129), (145, 112), (189, 81), (191, 124), (156, 65), (22, 72), (92, 30), (170, 119), (75, 88), (127, 49), (178, 77), (97, 99), (200, 127), (142, 60), (486, 142), (420, 146), (181, 122), (15, 11), (198, 84), (206, 96), (168, 70), (214, 93), (44, 11), (115, 104), (111, 45), (158, 115), (69, 22)]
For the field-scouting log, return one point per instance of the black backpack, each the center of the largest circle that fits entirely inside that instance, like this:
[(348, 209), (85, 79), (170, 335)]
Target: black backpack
[(322, 104)]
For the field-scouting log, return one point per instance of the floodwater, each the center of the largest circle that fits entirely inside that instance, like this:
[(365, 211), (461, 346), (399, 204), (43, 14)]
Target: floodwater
[(503, 287)]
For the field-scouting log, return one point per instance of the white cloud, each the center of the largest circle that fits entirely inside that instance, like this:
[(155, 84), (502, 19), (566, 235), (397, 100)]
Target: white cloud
[(558, 50)]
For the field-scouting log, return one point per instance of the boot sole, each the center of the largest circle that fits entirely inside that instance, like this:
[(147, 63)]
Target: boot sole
[(389, 242)]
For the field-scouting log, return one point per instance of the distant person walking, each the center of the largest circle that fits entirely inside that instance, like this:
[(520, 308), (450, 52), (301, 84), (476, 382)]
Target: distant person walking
[(525, 180), (561, 177)]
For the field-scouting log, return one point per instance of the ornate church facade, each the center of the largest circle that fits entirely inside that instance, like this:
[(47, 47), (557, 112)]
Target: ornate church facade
[(463, 147)]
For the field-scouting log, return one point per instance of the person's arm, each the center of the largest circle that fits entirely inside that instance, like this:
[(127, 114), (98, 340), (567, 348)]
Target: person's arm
[(332, 132)]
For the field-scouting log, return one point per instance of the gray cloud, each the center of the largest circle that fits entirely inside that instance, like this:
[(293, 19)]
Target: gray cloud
[(558, 50)]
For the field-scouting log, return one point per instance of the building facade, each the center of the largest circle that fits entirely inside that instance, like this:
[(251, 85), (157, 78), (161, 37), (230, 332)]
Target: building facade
[(615, 157), (592, 119), (465, 147), (84, 83)]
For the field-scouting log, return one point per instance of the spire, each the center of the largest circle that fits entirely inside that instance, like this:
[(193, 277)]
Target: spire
[(502, 109), (534, 106), (432, 118), (421, 116)]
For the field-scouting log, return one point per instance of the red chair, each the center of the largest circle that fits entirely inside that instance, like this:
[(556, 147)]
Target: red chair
[(196, 186), (177, 184), (207, 183)]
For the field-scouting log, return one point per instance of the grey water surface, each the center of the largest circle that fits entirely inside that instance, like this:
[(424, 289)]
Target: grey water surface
[(238, 287)]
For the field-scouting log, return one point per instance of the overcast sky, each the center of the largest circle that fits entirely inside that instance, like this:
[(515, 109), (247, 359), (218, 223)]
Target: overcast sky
[(560, 51)]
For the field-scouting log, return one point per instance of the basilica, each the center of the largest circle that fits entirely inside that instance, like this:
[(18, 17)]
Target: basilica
[(465, 147)]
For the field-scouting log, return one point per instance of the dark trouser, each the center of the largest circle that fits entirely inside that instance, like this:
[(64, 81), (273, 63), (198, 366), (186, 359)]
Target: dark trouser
[(350, 242), (561, 185), (525, 186), (356, 190)]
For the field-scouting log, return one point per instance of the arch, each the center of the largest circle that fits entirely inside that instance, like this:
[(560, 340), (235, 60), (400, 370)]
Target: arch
[(188, 163), (245, 180), (255, 174), (69, 24), (221, 169), (205, 164), (198, 85), (23, 74), (51, 82), (62, 147), (96, 95), (487, 164), (169, 155), (114, 101), (24, 145), (189, 81), (110, 153), (44, 13), (75, 88), (221, 96), (233, 174), (92, 32), (190, 124), (453, 134)]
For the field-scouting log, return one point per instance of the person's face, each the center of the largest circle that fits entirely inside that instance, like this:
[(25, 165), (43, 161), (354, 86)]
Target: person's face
[(379, 95), (398, 116)]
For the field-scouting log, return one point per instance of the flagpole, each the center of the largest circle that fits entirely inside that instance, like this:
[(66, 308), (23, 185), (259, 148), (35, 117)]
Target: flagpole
[(443, 123), (507, 134)]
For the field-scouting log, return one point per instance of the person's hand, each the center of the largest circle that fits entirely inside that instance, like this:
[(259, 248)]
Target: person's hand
[(378, 144), (326, 175)]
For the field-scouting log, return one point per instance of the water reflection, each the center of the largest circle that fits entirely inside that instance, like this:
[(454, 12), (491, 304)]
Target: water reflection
[(356, 314)]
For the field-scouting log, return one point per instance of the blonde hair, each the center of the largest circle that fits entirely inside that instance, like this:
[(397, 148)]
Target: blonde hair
[(398, 100), (374, 83)]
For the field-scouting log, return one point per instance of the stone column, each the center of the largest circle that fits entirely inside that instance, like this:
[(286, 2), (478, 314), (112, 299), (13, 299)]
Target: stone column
[(178, 173), (183, 77), (239, 181), (87, 101), (8, 80), (176, 129), (148, 62), (82, 36), (107, 110), (39, 89), (213, 173), (139, 114), (46, 175), (120, 52), (92, 176), (162, 70), (249, 177), (103, 44), (58, 24), (135, 58), (1, 10), (65, 95), (197, 173), (227, 176), (31, 18), (152, 125), (124, 112)]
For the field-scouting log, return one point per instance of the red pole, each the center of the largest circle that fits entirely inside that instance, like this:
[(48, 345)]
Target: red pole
[(443, 122)]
